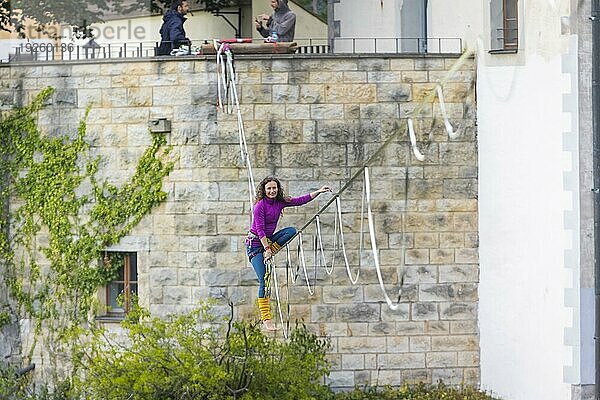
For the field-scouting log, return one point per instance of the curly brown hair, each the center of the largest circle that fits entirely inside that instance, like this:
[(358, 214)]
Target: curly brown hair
[(261, 194)]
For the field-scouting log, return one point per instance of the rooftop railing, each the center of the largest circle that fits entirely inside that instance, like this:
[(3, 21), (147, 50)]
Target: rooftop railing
[(70, 52)]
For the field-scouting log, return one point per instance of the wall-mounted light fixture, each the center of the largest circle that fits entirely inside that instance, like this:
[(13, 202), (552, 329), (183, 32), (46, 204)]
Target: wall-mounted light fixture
[(159, 125)]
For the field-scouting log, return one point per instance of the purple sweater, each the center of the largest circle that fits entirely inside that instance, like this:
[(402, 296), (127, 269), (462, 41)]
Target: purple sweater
[(266, 215)]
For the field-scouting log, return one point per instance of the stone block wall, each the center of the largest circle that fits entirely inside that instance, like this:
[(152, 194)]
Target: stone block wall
[(310, 121)]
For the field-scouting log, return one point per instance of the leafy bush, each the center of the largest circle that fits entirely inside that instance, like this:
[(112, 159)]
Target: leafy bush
[(416, 392), (188, 357), (16, 384), (192, 357), (10, 383)]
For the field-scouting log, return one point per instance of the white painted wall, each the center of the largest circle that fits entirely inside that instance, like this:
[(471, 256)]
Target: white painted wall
[(367, 19), (382, 19), (361, 21), (463, 19), (522, 313)]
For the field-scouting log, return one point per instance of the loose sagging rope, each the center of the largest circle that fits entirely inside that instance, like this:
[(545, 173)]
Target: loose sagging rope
[(431, 98), (367, 186), (413, 141), (367, 199), (227, 88), (449, 129), (284, 323), (227, 84)]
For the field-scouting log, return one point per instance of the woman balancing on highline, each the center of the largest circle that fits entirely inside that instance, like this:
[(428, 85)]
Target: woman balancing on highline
[(262, 241)]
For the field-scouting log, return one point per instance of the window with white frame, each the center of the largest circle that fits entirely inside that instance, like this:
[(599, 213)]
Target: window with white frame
[(504, 22)]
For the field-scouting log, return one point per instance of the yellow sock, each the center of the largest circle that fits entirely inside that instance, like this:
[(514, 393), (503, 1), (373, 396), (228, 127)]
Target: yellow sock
[(275, 247), (264, 308)]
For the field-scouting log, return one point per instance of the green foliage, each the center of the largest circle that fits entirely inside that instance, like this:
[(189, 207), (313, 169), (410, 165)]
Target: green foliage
[(14, 12), (415, 392), (191, 357), (80, 15), (51, 184), (11, 386), (214, 5), (317, 7), (5, 318)]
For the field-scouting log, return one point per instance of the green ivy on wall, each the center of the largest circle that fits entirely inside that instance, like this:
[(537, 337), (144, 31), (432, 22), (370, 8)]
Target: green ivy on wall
[(58, 217)]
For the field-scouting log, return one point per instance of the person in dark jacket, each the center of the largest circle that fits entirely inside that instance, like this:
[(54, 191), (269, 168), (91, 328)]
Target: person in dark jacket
[(172, 33), (282, 23)]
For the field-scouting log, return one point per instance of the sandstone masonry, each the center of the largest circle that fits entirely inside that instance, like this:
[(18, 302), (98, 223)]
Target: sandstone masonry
[(310, 121)]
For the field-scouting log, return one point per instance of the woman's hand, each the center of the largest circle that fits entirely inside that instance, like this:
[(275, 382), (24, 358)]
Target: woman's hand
[(324, 189), (268, 253), (319, 191)]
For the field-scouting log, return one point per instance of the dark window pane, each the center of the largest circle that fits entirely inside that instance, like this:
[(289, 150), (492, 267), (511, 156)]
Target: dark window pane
[(133, 266), (114, 291), (510, 10), (120, 274)]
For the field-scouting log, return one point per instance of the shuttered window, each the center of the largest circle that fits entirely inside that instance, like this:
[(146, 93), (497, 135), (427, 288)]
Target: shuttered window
[(504, 20)]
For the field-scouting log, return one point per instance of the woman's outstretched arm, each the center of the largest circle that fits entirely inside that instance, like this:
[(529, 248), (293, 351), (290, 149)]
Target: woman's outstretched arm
[(319, 191)]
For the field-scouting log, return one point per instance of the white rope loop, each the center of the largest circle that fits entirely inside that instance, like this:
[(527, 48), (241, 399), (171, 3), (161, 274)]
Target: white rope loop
[(338, 204), (413, 141), (328, 270), (278, 298), (302, 260), (362, 220), (221, 74), (452, 134), (289, 262), (392, 306)]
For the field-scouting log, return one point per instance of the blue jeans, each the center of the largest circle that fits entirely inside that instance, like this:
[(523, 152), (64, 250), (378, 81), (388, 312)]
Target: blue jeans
[(258, 261)]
